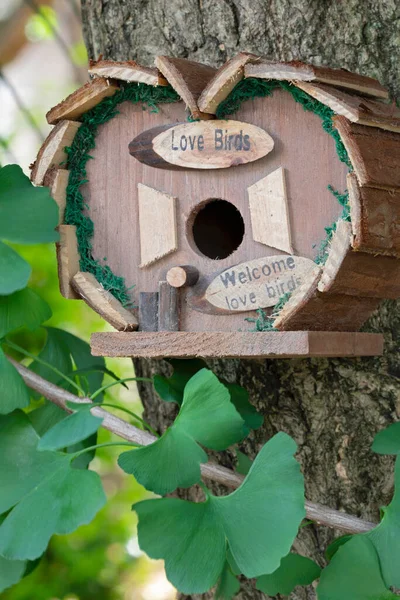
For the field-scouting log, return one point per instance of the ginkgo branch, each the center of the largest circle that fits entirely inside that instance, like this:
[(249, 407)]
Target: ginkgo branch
[(318, 513)]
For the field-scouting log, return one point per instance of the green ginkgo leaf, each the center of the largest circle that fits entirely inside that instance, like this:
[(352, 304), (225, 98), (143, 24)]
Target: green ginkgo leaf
[(387, 441), (354, 574), (386, 536), (45, 494), (171, 389), (206, 417), (258, 522), (14, 270), (228, 585), (11, 571), (28, 214), (22, 309), (14, 393), (72, 429), (294, 570)]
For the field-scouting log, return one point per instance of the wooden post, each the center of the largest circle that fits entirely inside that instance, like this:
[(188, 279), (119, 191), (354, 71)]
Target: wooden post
[(168, 307), (148, 311)]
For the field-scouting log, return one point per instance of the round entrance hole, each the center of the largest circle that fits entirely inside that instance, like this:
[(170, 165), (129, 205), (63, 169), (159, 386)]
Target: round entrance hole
[(218, 229)]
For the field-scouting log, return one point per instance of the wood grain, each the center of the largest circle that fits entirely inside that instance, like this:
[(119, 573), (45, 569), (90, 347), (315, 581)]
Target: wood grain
[(374, 153), (168, 307), (148, 311), (67, 260), (358, 273), (236, 344), (157, 218), (52, 153), (309, 309), (223, 82), (82, 100), (188, 78), (355, 108), (270, 212), (301, 147), (103, 302), (127, 70), (375, 218), (298, 71)]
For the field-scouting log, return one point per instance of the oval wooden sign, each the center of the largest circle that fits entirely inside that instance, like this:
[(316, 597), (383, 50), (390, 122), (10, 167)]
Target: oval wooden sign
[(258, 283), (202, 145)]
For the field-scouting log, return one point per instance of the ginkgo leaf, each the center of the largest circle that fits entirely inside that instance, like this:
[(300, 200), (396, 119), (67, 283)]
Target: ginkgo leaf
[(73, 429), (206, 417), (11, 571), (22, 309), (228, 585), (28, 214), (388, 440), (171, 389), (45, 494), (14, 270), (335, 545), (294, 570), (386, 536), (258, 522), (243, 464), (14, 393), (354, 574)]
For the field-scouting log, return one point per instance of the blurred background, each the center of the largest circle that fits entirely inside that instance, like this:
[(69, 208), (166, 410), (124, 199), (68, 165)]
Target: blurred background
[(42, 59)]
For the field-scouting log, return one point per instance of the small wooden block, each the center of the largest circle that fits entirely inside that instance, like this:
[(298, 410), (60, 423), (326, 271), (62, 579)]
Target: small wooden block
[(188, 78), (308, 309), (375, 218), (357, 273), (374, 153), (68, 260), (183, 276), (82, 100), (223, 82), (103, 302), (57, 180), (127, 70), (355, 108), (168, 307), (158, 229), (52, 153), (269, 211), (298, 71), (148, 311), (219, 344)]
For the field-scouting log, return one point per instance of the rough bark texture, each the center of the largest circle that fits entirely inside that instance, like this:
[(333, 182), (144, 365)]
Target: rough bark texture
[(332, 408)]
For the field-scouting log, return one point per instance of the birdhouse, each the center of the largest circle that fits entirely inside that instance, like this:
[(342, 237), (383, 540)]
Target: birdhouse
[(248, 211)]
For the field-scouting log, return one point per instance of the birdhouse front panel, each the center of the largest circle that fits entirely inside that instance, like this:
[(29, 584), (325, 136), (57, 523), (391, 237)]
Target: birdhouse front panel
[(247, 211)]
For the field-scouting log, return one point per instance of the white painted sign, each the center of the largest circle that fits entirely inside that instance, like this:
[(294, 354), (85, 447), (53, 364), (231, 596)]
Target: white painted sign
[(258, 283)]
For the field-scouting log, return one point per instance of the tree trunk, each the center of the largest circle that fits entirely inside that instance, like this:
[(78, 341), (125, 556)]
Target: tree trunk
[(332, 408)]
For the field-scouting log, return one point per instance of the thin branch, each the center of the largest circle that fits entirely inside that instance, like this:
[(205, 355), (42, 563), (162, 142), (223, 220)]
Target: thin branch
[(316, 512)]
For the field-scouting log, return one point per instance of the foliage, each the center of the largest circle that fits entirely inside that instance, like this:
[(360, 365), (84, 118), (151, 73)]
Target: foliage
[(294, 570)]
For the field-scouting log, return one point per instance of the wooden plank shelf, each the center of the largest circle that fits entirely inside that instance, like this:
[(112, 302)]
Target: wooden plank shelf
[(218, 344)]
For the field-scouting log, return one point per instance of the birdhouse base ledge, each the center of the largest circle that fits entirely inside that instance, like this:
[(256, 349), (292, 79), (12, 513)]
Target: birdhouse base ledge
[(251, 345)]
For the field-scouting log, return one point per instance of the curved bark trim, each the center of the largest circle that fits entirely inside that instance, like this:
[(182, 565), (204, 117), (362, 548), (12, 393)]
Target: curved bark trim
[(52, 153), (355, 108), (299, 71), (82, 100), (188, 78), (223, 82), (127, 70)]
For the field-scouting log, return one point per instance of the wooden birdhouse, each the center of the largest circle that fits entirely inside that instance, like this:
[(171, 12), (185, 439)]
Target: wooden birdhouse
[(247, 211)]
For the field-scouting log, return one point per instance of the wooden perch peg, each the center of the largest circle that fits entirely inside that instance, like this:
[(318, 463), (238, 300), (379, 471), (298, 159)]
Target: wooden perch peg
[(168, 307), (183, 276)]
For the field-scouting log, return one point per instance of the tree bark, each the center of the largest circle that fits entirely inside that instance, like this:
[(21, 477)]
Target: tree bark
[(332, 408)]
